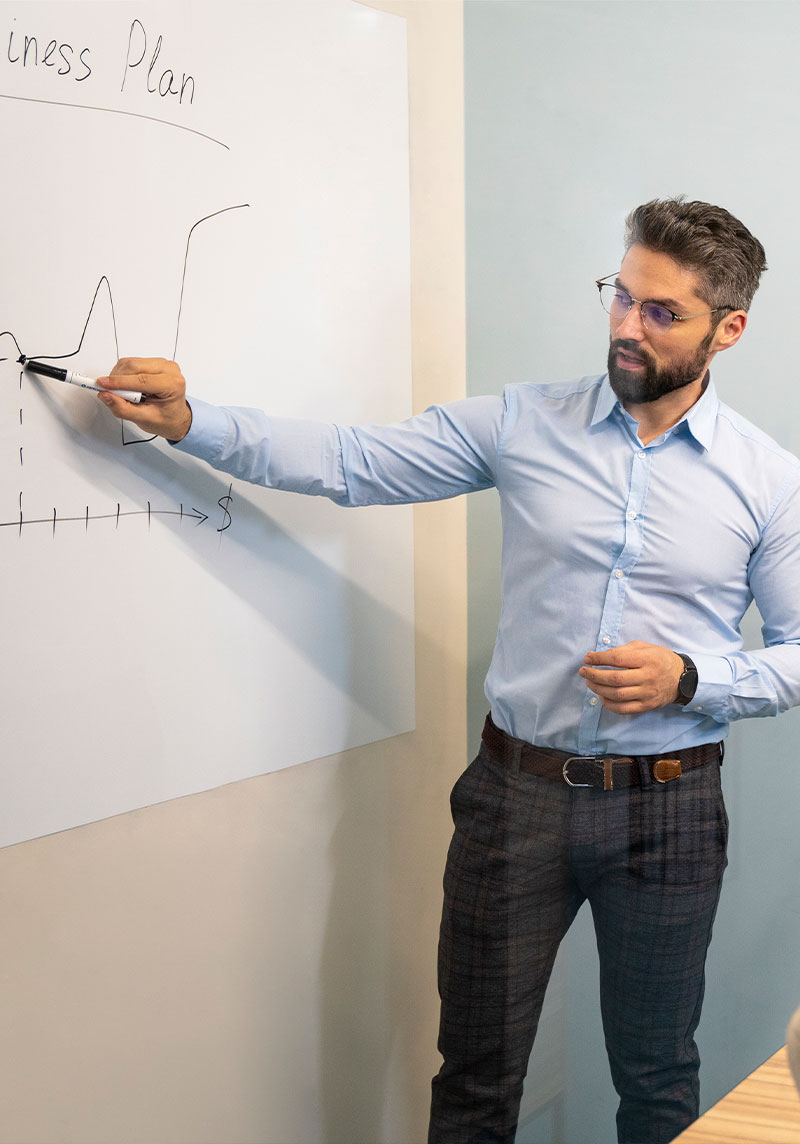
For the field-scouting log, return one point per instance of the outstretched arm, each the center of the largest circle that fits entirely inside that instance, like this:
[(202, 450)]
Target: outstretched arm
[(443, 452)]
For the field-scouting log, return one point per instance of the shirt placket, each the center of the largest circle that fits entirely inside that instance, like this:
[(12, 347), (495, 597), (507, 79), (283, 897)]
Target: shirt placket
[(619, 576)]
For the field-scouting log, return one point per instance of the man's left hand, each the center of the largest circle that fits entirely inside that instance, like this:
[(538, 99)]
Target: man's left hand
[(634, 677)]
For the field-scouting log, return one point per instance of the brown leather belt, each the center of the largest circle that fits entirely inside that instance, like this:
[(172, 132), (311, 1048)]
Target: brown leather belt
[(614, 772)]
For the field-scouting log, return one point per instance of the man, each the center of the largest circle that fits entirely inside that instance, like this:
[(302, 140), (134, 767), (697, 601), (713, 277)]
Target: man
[(640, 518)]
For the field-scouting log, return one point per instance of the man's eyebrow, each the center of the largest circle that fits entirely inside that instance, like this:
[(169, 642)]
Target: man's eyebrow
[(670, 303)]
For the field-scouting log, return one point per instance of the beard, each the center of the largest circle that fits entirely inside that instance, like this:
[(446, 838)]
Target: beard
[(640, 388)]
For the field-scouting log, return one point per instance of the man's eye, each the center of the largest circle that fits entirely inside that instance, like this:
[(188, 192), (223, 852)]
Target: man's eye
[(658, 315)]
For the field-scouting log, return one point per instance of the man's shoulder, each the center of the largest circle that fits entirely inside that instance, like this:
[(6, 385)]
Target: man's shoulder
[(752, 438), (555, 390), (525, 399), (543, 406)]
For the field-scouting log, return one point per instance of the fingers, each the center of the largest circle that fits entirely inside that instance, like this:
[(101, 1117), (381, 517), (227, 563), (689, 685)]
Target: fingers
[(633, 707), (156, 377), (164, 409), (633, 678), (621, 691), (626, 655), (630, 700), (604, 677)]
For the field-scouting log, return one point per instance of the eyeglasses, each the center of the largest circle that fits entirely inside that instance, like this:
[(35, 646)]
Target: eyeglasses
[(656, 317)]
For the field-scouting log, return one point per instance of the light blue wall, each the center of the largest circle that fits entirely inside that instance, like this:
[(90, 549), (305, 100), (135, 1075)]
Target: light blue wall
[(575, 112)]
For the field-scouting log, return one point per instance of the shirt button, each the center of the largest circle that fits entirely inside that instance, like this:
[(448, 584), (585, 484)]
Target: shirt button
[(619, 573), (631, 516), (606, 639), (642, 454), (593, 701)]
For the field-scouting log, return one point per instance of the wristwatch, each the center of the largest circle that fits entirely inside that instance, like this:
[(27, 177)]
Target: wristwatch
[(687, 684)]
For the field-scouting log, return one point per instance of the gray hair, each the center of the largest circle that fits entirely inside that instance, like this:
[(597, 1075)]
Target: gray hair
[(728, 259)]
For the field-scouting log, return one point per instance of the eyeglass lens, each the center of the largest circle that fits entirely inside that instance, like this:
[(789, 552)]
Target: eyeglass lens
[(617, 303)]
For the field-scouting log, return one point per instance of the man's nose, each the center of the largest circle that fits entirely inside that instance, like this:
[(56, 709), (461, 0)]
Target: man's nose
[(632, 325)]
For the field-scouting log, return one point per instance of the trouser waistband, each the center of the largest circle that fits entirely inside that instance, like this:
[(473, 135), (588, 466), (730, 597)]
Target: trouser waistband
[(603, 772)]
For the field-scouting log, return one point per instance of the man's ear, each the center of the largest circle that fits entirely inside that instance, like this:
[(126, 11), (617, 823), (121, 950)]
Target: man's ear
[(730, 330)]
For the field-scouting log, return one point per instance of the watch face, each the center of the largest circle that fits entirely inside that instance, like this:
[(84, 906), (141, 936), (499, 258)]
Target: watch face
[(687, 684)]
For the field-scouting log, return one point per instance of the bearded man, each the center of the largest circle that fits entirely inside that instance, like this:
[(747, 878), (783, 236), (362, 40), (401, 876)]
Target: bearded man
[(641, 516)]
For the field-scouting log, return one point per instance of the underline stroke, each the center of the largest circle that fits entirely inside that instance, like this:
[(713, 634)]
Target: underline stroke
[(115, 111)]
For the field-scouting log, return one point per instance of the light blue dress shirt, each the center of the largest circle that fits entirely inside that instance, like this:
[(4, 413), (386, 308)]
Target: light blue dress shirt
[(604, 541)]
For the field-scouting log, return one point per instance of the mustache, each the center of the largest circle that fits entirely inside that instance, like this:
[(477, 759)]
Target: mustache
[(631, 348)]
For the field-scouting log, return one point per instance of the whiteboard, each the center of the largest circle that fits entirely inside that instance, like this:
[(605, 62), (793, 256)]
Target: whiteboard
[(229, 186)]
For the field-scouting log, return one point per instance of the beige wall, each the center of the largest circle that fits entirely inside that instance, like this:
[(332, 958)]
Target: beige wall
[(257, 964)]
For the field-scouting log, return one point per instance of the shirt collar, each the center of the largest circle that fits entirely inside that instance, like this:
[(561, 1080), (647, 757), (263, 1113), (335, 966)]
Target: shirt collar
[(700, 420), (606, 402)]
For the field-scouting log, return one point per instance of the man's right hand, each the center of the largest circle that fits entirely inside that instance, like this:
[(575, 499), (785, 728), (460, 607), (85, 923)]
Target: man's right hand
[(164, 410)]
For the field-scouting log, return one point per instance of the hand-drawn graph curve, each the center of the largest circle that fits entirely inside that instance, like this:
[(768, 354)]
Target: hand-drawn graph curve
[(193, 513), (179, 629)]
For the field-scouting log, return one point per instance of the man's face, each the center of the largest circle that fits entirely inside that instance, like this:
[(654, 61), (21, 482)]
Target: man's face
[(643, 364)]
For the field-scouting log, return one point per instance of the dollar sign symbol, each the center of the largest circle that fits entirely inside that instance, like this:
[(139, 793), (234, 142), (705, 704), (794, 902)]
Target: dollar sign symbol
[(223, 503)]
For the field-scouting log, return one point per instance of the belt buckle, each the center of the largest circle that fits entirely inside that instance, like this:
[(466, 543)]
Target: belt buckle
[(577, 759), (607, 764)]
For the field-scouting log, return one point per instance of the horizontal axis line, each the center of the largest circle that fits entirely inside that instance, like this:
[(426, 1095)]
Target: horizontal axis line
[(195, 514)]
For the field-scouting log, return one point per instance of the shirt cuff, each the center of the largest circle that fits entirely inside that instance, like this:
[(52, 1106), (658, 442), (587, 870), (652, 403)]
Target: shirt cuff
[(714, 686), (206, 433)]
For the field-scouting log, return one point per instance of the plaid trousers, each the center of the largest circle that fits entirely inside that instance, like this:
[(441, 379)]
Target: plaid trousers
[(525, 855)]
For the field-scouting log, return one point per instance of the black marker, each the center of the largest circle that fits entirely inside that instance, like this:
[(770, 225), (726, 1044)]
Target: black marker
[(73, 378)]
